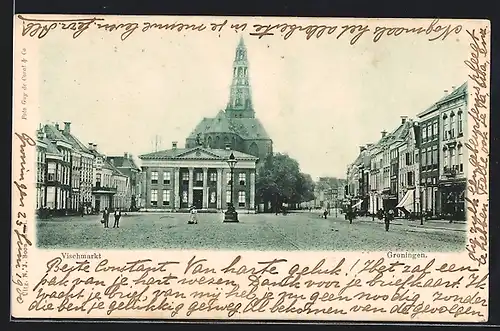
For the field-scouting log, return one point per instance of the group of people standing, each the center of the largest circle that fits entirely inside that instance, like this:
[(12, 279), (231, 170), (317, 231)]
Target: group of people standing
[(105, 217)]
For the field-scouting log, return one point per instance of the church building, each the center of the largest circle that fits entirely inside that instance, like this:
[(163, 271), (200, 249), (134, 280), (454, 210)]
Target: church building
[(237, 124), (199, 174)]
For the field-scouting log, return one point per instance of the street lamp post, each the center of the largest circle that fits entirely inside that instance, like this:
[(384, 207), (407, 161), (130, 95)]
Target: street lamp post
[(231, 215)]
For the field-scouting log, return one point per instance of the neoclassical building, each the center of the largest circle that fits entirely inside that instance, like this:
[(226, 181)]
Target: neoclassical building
[(178, 178), (237, 125)]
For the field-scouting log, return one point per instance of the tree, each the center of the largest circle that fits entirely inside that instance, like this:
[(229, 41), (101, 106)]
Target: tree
[(280, 180)]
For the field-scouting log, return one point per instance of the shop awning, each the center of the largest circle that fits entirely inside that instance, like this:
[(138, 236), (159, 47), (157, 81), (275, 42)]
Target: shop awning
[(406, 199), (358, 204)]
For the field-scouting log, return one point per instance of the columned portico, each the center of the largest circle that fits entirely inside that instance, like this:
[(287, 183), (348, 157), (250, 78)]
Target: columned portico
[(219, 188), (190, 190), (177, 196), (252, 190), (180, 178), (205, 188)]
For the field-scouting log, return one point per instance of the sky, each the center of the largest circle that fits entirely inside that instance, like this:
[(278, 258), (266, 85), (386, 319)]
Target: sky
[(319, 100)]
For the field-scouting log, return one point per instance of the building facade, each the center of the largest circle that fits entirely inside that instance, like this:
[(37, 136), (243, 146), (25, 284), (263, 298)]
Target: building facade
[(127, 166), (237, 125), (429, 161), (452, 136), (41, 168), (59, 191), (81, 172), (178, 178), (103, 188), (409, 171)]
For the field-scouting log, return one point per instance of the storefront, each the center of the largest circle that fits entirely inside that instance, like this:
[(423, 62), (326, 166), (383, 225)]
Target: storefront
[(453, 199)]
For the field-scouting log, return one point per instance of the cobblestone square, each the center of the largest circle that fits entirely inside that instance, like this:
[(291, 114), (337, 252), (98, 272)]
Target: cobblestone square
[(261, 232)]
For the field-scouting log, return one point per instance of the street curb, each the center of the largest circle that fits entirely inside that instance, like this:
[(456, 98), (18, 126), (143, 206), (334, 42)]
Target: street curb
[(418, 226)]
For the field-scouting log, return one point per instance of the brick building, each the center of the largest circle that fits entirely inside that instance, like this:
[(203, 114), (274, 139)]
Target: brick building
[(177, 178), (237, 125)]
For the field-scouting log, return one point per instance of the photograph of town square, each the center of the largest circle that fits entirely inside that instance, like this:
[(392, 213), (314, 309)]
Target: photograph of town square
[(226, 185)]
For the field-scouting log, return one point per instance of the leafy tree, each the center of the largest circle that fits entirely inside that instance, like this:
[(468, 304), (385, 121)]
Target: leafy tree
[(280, 180)]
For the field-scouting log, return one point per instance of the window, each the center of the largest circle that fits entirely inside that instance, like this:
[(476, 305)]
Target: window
[(199, 176), (228, 196), (445, 128), (166, 177), (98, 180), (452, 125), (407, 155), (185, 176), (154, 177), (445, 159), (241, 199), (452, 158), (154, 197), (435, 129), (429, 132), (184, 196), (228, 178), (460, 123), (166, 197), (460, 159), (424, 133), (242, 178), (410, 178), (213, 176), (435, 155), (424, 158), (429, 156)]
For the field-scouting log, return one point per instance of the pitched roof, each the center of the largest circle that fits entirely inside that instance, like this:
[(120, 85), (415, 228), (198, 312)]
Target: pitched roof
[(51, 148), (177, 153), (123, 162), (455, 93), (54, 134), (247, 128), (77, 144)]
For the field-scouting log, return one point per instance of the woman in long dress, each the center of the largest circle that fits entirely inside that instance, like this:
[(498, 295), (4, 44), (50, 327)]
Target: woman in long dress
[(193, 217)]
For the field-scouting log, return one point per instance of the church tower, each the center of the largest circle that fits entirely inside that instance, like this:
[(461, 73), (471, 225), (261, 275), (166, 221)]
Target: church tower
[(240, 98)]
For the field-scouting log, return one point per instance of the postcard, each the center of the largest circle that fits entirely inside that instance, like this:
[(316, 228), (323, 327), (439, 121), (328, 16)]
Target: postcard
[(250, 168)]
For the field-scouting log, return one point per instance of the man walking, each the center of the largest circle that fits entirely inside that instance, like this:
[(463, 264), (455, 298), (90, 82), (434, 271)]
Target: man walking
[(389, 216), (118, 215), (105, 217)]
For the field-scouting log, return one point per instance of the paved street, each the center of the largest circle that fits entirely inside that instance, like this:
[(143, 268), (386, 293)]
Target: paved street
[(297, 231)]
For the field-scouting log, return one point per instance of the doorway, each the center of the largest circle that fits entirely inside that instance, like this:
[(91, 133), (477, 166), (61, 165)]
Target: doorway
[(97, 205), (198, 199)]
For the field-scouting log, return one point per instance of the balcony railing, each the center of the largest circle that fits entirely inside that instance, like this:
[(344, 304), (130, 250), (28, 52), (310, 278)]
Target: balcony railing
[(104, 189), (450, 171)]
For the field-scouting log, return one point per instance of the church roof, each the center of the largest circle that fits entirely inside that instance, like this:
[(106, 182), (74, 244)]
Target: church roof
[(247, 128), (199, 152)]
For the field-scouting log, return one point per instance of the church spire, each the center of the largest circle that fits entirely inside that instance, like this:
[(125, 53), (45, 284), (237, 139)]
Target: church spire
[(240, 98)]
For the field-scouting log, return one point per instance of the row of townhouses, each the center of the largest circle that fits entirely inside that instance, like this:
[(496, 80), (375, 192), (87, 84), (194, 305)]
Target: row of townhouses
[(419, 167), (73, 177)]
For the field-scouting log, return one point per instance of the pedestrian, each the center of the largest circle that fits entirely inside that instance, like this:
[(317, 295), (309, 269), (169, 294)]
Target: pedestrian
[(389, 216), (82, 211), (118, 215), (193, 219), (325, 213), (105, 217)]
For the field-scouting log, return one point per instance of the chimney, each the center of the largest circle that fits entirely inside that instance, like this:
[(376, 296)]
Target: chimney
[(94, 146), (174, 144), (362, 148), (91, 146), (57, 126), (228, 147), (446, 92), (40, 134), (403, 119), (384, 133), (67, 127), (125, 155), (453, 88), (130, 156)]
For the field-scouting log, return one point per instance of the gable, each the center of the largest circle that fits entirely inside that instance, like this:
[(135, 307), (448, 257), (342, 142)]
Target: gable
[(198, 153)]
